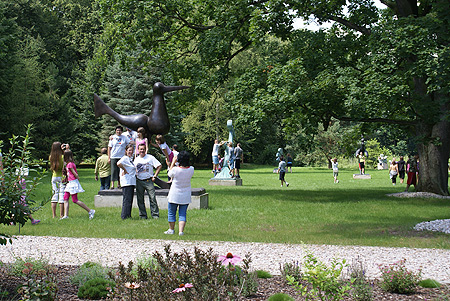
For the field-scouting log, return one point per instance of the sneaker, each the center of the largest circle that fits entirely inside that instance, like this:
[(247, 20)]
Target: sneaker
[(170, 232), (337, 181), (281, 185), (35, 221), (181, 233), (64, 217), (91, 214), (287, 184)]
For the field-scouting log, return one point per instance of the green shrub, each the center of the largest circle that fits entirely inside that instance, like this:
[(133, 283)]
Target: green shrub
[(263, 274), (88, 271), (280, 297), (429, 283), (397, 279), (324, 283), (96, 288), (39, 288), (208, 279), (29, 266), (144, 261), (292, 269), (362, 289)]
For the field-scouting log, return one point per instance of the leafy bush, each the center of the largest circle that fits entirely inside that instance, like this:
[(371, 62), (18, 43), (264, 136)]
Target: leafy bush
[(429, 283), (263, 274), (168, 279), (40, 280), (16, 202), (24, 267), (362, 289), (324, 283), (97, 288), (397, 279), (280, 297), (88, 271), (292, 269)]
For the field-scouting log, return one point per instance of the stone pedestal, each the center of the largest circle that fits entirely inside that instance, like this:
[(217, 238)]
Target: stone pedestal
[(225, 182), (362, 177), (113, 198)]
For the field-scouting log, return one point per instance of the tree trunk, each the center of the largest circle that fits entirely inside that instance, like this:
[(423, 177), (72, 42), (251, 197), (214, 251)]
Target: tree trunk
[(433, 157)]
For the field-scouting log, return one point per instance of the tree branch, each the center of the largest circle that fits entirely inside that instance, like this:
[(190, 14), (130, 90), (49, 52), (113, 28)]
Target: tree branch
[(374, 120), (351, 25)]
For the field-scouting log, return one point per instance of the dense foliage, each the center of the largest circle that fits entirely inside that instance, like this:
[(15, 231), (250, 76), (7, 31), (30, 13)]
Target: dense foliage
[(283, 87)]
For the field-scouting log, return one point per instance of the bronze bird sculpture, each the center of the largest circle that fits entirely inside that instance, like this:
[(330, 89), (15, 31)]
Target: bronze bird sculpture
[(158, 121)]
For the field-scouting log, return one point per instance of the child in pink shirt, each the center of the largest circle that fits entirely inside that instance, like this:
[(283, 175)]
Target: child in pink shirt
[(73, 187)]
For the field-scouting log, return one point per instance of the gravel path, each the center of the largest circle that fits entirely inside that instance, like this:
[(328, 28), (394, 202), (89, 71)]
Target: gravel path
[(435, 263)]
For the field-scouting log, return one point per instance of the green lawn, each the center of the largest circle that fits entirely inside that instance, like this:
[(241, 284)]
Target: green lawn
[(311, 210)]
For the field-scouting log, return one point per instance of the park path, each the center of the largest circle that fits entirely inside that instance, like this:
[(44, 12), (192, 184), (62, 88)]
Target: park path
[(434, 263)]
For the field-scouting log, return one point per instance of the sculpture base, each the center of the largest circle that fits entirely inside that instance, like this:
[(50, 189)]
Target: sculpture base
[(362, 177), (113, 198), (225, 182)]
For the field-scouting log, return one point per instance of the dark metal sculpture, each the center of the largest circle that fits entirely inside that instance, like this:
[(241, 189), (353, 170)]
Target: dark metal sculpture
[(362, 149), (158, 121)]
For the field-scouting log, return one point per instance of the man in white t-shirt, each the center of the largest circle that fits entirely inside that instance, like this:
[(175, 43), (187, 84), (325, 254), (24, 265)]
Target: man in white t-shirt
[(145, 164), (215, 155), (116, 150)]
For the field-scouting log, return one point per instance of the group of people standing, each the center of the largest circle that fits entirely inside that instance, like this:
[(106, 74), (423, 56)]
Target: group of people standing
[(235, 157), (132, 167), (400, 168)]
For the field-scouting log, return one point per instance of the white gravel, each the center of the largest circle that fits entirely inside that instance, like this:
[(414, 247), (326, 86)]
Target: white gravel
[(434, 263)]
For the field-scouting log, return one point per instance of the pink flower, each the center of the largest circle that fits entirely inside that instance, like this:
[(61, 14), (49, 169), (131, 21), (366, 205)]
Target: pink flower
[(131, 285), (229, 259), (182, 288)]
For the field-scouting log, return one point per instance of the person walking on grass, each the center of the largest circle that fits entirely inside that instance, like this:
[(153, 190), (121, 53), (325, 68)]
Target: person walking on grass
[(179, 196), (282, 171), (127, 180), (289, 162), (401, 169), (73, 187), (393, 171), (56, 159), (412, 169), (103, 170), (334, 165), (145, 164)]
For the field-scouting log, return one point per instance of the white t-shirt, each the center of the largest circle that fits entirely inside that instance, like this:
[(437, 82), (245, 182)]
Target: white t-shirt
[(144, 166), (128, 179), (131, 135), (215, 151), (175, 155), (180, 190), (165, 146), (335, 166), (118, 145)]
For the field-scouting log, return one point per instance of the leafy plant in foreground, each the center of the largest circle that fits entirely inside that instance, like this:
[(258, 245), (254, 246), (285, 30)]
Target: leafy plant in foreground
[(15, 201), (292, 269), (321, 282), (89, 270), (397, 279), (362, 289), (40, 284), (97, 288)]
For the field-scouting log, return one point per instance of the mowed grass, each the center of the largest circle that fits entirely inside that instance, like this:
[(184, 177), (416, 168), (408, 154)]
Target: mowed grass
[(311, 210)]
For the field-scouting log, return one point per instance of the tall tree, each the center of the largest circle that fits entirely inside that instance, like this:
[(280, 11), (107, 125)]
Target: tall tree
[(389, 66)]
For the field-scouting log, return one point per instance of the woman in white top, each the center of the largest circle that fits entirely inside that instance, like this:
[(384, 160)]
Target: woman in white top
[(179, 196), (127, 180)]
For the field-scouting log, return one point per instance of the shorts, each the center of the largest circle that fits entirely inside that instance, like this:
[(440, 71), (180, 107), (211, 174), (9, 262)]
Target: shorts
[(115, 169), (401, 174), (237, 163), (58, 190), (335, 173), (215, 159), (282, 173), (361, 165), (412, 179), (231, 163), (289, 164)]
